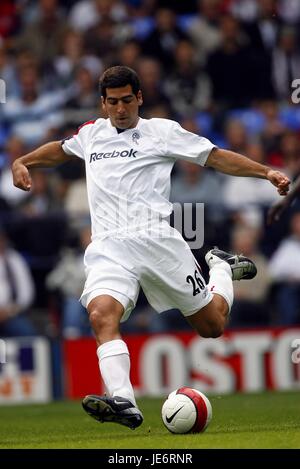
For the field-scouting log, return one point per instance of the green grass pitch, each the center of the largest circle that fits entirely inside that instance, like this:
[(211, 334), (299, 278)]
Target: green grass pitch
[(266, 420)]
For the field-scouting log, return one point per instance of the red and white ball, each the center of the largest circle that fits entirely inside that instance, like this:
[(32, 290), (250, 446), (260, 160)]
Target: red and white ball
[(186, 410)]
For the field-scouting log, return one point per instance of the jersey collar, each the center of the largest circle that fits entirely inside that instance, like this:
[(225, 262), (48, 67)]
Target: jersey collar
[(113, 128)]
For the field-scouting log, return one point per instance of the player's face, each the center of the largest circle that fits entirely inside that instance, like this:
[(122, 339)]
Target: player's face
[(122, 106)]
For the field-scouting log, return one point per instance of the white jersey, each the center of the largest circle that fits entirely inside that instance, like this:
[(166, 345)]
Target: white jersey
[(128, 173)]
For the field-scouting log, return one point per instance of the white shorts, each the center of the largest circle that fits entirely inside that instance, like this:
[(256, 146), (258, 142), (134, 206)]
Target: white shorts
[(160, 262)]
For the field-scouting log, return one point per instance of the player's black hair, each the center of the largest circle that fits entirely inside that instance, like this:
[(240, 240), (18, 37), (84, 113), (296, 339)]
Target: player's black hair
[(118, 76)]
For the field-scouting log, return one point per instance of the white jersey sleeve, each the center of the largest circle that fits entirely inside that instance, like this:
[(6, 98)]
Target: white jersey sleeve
[(73, 146), (76, 144), (188, 146)]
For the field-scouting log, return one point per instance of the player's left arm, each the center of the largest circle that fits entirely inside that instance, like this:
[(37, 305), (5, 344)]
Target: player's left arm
[(229, 162)]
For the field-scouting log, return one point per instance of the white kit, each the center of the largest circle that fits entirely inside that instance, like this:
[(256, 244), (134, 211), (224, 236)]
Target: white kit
[(128, 184)]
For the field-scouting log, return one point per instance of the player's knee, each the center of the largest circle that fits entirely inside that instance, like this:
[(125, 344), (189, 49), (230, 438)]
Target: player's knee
[(210, 330), (104, 316), (98, 320), (217, 330), (211, 322)]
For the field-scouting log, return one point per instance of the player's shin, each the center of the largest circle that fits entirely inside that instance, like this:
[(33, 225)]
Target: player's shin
[(114, 364), (220, 282)]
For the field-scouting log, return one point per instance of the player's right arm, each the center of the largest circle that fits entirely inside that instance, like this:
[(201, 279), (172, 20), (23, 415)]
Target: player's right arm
[(49, 155)]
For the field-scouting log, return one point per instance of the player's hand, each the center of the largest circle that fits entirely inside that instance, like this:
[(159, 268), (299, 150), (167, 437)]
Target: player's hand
[(279, 180), (275, 211), (21, 176)]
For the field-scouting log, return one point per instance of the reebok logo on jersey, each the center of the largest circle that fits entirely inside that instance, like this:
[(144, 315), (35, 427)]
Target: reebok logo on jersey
[(114, 154)]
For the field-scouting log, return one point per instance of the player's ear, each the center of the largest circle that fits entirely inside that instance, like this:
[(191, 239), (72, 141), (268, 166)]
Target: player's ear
[(103, 104), (139, 97)]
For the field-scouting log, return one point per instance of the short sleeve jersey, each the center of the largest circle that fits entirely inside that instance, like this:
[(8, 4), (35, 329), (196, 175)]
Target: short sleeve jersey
[(128, 173)]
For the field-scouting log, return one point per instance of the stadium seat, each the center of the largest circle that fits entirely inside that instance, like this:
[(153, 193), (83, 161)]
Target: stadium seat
[(142, 27), (252, 119), (204, 122), (3, 135), (290, 117), (184, 21)]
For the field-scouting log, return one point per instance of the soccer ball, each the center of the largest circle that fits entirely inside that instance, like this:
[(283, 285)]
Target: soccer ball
[(186, 410)]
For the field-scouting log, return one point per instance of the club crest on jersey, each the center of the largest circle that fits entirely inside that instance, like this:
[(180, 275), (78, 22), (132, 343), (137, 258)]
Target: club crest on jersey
[(135, 137), (114, 154)]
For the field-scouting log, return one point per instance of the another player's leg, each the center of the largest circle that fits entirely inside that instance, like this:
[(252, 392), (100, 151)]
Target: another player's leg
[(119, 405), (211, 320)]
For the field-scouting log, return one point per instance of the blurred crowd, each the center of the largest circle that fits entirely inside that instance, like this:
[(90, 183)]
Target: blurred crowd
[(225, 69)]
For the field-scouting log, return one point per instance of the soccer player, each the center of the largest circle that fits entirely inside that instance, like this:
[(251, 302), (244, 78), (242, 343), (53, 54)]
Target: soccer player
[(128, 164), (278, 208)]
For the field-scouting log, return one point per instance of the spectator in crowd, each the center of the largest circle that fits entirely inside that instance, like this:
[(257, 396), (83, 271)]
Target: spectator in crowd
[(14, 148), (7, 70), (161, 42), (289, 11), (73, 55), (83, 105), (85, 14), (250, 307), (42, 200), (140, 8), (9, 18), (272, 131), (285, 271), (34, 112), (236, 136), (230, 67), (76, 203), (264, 31), (151, 76), (16, 292), (286, 63), (129, 53), (247, 10), (68, 277), (187, 82), (105, 37), (68, 58), (44, 35), (193, 184), (241, 193), (244, 10), (204, 29), (289, 152)]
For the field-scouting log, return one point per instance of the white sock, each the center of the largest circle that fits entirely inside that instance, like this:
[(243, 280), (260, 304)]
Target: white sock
[(220, 282), (114, 364)]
